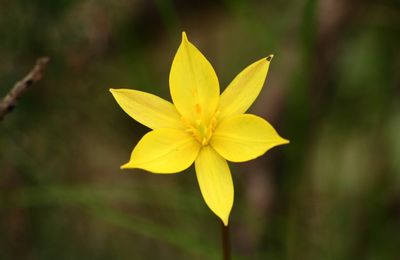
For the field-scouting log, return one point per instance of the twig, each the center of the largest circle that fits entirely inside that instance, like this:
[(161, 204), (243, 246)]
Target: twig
[(10, 100)]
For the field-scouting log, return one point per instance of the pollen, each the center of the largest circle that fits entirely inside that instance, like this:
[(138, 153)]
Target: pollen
[(200, 130), (198, 109)]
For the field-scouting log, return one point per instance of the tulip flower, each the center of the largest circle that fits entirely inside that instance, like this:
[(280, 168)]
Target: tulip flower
[(201, 126)]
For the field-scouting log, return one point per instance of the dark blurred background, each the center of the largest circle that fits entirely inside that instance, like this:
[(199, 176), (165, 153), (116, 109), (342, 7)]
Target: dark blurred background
[(332, 90)]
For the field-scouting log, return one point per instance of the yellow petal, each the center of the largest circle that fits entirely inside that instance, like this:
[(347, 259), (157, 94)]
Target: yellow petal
[(244, 137), (193, 83), (147, 109), (244, 89), (164, 150), (215, 182)]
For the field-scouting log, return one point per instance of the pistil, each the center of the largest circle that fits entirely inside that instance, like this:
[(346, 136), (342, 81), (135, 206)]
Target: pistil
[(200, 130)]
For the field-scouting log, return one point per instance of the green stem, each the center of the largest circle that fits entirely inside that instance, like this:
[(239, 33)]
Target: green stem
[(226, 247)]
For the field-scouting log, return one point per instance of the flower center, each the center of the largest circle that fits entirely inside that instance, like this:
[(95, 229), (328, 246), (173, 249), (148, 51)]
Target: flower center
[(200, 130)]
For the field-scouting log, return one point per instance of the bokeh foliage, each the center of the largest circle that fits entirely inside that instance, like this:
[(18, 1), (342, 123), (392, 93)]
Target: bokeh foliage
[(332, 90)]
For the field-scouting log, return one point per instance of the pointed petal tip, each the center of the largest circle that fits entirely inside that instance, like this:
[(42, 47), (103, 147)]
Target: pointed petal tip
[(126, 166), (184, 37), (269, 58), (285, 141), (114, 90), (225, 221)]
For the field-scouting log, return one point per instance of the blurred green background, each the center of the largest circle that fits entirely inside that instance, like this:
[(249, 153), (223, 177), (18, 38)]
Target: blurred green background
[(332, 90)]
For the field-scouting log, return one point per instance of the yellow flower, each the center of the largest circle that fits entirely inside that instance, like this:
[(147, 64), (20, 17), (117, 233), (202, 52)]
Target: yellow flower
[(201, 126)]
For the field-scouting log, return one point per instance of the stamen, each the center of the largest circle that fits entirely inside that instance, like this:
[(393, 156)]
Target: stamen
[(199, 130), (198, 109)]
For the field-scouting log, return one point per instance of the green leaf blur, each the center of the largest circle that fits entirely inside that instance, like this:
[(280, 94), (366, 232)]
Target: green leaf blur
[(332, 90)]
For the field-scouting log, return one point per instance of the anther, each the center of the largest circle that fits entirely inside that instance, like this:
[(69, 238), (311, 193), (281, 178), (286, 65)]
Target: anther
[(198, 108)]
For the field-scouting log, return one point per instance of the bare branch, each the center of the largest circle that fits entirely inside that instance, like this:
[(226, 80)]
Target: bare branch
[(36, 74)]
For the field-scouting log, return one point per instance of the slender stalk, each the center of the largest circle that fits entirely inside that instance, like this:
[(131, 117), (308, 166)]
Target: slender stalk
[(226, 246)]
